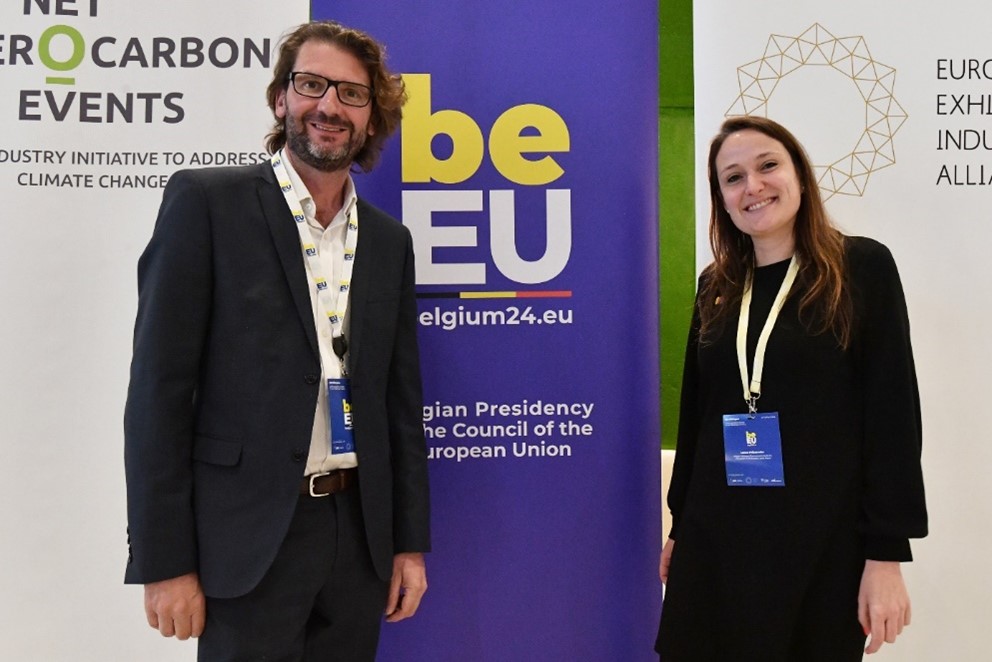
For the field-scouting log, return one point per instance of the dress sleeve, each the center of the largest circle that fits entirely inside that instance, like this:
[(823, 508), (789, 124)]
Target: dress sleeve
[(688, 425), (893, 505)]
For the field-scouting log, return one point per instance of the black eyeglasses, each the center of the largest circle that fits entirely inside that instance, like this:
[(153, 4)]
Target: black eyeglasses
[(315, 87)]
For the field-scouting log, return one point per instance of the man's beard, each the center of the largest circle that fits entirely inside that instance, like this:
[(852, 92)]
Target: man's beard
[(325, 159)]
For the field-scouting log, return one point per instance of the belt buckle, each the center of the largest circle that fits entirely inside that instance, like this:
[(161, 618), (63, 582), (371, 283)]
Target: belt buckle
[(313, 477)]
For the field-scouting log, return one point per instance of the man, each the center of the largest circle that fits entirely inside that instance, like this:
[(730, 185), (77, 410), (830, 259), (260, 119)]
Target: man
[(274, 449)]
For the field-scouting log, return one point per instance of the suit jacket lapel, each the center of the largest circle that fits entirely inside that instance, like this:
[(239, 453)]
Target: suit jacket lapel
[(286, 238), (360, 282)]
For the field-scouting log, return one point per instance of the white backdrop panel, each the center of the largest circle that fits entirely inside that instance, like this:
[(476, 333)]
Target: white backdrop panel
[(67, 285), (937, 228)]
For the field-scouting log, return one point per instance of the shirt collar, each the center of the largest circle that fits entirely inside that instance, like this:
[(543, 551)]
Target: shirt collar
[(307, 201)]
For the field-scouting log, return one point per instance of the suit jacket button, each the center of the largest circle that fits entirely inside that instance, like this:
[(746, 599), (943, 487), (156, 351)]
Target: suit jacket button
[(298, 455), (311, 379)]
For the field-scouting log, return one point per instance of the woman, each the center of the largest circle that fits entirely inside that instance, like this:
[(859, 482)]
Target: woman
[(797, 480)]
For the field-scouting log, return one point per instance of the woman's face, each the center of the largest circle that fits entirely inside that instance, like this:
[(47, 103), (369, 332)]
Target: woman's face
[(759, 186)]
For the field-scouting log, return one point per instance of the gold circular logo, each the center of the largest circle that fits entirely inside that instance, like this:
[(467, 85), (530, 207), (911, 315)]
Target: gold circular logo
[(875, 82)]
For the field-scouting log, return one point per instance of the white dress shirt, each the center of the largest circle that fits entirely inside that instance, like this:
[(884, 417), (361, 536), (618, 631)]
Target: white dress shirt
[(330, 254)]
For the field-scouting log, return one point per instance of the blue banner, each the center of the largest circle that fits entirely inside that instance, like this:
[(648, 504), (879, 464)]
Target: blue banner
[(526, 169)]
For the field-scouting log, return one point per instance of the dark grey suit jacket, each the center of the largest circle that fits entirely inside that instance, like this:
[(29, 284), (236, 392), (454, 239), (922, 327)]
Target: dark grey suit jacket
[(225, 376)]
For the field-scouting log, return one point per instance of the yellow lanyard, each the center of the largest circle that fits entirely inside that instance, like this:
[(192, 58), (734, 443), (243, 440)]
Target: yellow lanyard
[(752, 387), (335, 310)]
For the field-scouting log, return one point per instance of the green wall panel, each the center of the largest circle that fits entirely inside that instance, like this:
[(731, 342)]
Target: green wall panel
[(676, 202)]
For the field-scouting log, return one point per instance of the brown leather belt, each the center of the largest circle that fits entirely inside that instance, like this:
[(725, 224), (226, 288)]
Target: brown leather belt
[(326, 484)]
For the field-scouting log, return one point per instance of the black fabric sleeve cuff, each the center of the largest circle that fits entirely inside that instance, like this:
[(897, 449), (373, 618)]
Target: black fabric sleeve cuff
[(887, 549)]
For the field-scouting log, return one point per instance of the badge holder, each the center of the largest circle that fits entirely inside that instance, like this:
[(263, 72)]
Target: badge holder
[(752, 442)]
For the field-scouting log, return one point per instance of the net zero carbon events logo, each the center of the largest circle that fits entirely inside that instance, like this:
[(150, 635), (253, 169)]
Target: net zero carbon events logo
[(849, 56), (63, 49)]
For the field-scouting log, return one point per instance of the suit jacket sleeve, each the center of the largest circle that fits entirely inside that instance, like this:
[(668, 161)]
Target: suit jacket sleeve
[(411, 502), (174, 301)]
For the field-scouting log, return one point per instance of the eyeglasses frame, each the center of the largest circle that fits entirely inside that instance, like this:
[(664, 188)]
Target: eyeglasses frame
[(330, 83)]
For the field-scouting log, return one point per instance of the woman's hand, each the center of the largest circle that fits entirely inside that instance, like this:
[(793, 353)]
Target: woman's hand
[(666, 560), (883, 603)]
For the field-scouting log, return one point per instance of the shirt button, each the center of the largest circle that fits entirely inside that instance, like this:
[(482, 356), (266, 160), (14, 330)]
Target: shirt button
[(311, 379), (297, 455)]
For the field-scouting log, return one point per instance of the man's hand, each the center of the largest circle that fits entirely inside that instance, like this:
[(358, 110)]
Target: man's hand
[(410, 576), (666, 560), (176, 607), (883, 603)]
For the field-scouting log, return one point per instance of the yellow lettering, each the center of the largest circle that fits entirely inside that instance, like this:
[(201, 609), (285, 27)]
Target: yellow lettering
[(507, 146), (420, 125)]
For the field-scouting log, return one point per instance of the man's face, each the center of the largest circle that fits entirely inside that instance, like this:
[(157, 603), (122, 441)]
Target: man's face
[(325, 133)]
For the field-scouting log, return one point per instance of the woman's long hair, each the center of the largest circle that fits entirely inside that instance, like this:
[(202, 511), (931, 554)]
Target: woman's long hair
[(826, 302)]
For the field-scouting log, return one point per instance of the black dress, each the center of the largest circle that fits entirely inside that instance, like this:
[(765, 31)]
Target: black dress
[(772, 574)]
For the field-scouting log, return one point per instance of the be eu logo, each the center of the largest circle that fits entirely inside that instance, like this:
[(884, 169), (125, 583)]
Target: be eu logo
[(521, 144)]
